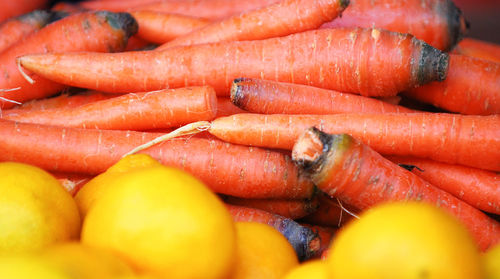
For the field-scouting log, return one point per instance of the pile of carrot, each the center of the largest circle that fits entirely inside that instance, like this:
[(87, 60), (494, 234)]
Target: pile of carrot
[(300, 114)]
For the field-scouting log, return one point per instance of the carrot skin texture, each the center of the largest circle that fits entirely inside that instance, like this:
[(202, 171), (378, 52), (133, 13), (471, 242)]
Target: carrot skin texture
[(279, 19), (303, 240), (344, 167), (271, 97), (160, 28), (314, 58), (262, 174), (471, 87), (98, 31), (438, 22), (293, 209), (479, 49), (211, 10), (13, 30), (437, 136), (15, 8), (226, 108), (134, 111), (329, 213), (478, 188)]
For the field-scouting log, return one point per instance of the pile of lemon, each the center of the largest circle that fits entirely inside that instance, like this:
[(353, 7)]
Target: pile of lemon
[(140, 219)]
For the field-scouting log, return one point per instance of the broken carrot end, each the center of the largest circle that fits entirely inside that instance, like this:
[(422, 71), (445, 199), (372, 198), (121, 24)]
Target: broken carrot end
[(237, 95), (433, 65)]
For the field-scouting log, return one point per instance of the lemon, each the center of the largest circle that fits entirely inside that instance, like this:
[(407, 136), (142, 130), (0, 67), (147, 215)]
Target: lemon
[(93, 189), (164, 222), (491, 262), (404, 240), (313, 269), (35, 210), (83, 261), (29, 267), (262, 252)]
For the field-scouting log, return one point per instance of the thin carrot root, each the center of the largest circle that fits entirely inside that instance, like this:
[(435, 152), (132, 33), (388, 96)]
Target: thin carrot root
[(189, 129)]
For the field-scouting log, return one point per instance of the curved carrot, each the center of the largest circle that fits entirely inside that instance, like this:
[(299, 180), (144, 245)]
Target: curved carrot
[(225, 107), (61, 101), (329, 213), (304, 241), (160, 28), (293, 209), (478, 188), (96, 31), (15, 8), (275, 20), (438, 136), (471, 87), (211, 10), (15, 29), (134, 111), (479, 49), (438, 22), (235, 170), (271, 97), (344, 167), (314, 57)]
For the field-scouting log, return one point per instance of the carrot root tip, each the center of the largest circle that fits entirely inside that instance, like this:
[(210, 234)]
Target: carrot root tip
[(309, 149), (237, 94)]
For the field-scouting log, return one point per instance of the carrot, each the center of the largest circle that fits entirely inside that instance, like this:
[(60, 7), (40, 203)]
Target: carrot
[(67, 7), (293, 209), (438, 22), (325, 236), (275, 20), (15, 8), (479, 49), (304, 241), (478, 188), (235, 170), (437, 136), (14, 29), (211, 9), (344, 167), (271, 97), (330, 213), (471, 87), (134, 111), (63, 100), (135, 43), (72, 182), (225, 107), (160, 28), (96, 31), (314, 57)]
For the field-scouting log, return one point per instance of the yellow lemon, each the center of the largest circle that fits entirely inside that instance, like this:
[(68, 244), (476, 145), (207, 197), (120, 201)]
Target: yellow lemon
[(491, 262), (93, 189), (262, 252), (35, 210), (83, 261), (164, 222), (404, 240), (313, 269), (29, 267)]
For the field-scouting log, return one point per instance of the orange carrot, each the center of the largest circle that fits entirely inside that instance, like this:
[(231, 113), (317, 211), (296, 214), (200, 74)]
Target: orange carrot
[(135, 43), (344, 167), (314, 57), (72, 182), (61, 101), (15, 29), (479, 49), (234, 170), (225, 107), (160, 28), (478, 188), (304, 241), (438, 136), (471, 87), (275, 20), (293, 209), (438, 22), (15, 8), (271, 97), (134, 111), (67, 7), (96, 31), (330, 213), (211, 9), (325, 236)]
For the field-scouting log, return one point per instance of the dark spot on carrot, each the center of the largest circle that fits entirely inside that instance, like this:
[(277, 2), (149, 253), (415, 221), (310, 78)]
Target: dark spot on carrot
[(57, 15), (410, 167), (344, 3), (122, 21), (86, 25), (237, 95), (433, 65), (37, 15), (300, 237), (457, 25)]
